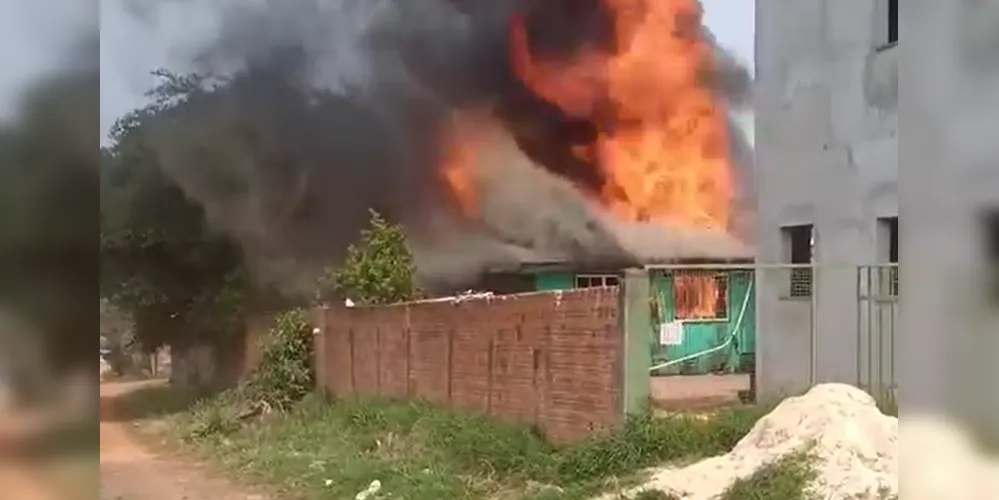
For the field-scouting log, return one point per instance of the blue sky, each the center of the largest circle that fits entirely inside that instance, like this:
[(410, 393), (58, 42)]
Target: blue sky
[(28, 47), (733, 23)]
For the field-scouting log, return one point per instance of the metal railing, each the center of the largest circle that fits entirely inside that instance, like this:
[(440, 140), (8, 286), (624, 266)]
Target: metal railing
[(877, 315)]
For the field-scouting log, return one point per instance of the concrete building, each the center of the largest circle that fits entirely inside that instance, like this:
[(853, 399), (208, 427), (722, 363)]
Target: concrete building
[(826, 109)]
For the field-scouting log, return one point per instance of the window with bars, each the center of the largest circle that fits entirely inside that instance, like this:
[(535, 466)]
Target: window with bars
[(888, 236), (596, 280), (799, 243)]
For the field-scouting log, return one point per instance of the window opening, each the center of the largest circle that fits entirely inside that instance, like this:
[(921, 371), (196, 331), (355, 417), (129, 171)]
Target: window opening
[(888, 234), (700, 295), (799, 242), (596, 280)]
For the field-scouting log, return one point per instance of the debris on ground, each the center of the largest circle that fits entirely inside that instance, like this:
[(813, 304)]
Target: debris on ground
[(370, 491), (854, 448)]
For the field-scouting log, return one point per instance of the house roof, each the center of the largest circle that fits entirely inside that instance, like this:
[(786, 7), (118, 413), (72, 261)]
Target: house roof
[(534, 267)]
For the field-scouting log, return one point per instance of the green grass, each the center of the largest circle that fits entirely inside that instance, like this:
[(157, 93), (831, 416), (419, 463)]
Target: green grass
[(329, 450), (655, 495), (785, 479)]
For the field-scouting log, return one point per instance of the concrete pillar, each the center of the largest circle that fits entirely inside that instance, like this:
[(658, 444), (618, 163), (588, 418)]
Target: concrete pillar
[(636, 325), (319, 318)]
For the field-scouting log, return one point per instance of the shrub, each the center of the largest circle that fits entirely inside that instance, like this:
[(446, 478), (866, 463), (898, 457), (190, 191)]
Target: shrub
[(285, 373), (377, 271)]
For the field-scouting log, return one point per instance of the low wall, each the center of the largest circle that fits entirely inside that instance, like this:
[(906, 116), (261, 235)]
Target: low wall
[(551, 359)]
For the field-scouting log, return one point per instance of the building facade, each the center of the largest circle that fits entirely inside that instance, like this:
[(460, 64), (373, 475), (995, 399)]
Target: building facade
[(826, 146)]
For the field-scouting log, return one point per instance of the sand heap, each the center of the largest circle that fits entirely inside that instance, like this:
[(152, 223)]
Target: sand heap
[(854, 444)]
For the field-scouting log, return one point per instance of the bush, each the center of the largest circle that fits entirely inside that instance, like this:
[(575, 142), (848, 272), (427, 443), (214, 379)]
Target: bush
[(285, 373), (378, 271)]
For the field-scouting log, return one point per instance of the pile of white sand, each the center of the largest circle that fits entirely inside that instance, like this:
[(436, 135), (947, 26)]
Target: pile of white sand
[(854, 444)]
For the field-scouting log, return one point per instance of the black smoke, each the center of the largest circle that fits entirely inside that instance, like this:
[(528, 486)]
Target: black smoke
[(316, 111)]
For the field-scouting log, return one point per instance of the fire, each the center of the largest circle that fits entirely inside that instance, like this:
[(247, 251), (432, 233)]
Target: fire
[(661, 137), (697, 295), (465, 139), (459, 170), (662, 134)]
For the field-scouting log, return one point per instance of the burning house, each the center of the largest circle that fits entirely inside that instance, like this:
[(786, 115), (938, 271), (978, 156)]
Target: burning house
[(592, 133), (649, 170)]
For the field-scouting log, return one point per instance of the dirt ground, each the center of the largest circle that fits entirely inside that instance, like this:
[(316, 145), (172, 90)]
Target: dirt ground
[(692, 392), (130, 471)]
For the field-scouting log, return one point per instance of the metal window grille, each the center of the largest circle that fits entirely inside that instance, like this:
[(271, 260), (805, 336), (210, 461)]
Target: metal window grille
[(596, 280), (801, 282)]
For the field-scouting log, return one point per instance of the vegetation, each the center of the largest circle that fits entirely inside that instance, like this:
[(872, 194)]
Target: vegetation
[(181, 281), (334, 449), (284, 375), (377, 271), (161, 263), (785, 479)]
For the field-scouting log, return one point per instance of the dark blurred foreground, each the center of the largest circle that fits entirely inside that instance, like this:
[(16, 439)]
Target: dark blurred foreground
[(49, 197)]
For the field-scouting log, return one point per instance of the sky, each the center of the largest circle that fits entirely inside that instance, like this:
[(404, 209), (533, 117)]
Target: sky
[(31, 35), (32, 39), (733, 23)]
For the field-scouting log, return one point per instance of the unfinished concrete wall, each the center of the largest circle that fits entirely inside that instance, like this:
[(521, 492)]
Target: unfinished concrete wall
[(827, 155)]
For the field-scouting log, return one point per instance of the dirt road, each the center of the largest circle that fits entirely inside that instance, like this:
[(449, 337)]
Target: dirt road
[(130, 471)]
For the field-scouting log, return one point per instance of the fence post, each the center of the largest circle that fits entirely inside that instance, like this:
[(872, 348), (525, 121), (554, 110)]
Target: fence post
[(319, 319), (636, 325)]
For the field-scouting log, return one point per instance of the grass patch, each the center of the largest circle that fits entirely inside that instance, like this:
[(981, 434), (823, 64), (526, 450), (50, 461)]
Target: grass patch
[(655, 495), (324, 449), (785, 479)]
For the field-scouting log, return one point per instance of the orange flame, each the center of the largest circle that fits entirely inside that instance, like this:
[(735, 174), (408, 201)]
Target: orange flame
[(459, 175), (463, 139), (697, 296), (665, 145), (662, 134)]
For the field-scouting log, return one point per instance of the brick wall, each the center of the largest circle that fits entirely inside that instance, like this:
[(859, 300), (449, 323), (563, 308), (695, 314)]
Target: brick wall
[(553, 359)]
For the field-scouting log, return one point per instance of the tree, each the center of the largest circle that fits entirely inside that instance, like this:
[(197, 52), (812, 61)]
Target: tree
[(182, 282), (378, 271)]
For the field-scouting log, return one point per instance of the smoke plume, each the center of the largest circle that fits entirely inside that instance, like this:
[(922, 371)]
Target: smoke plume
[(322, 110)]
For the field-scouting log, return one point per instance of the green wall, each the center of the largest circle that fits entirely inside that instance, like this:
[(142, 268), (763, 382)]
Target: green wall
[(700, 336), (550, 281)]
